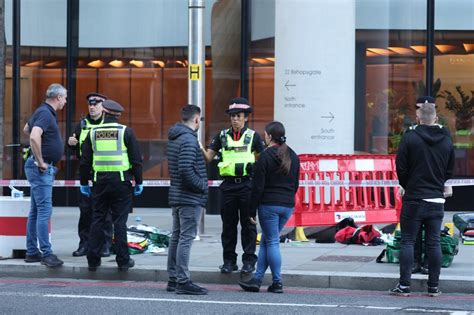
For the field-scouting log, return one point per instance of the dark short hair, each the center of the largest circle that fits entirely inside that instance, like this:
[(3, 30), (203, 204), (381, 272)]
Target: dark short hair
[(189, 111)]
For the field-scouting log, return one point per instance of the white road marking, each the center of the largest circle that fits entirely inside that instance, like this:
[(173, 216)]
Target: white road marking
[(99, 297)]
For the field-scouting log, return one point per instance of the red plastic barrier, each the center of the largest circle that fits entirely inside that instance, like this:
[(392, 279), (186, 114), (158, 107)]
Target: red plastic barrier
[(327, 205)]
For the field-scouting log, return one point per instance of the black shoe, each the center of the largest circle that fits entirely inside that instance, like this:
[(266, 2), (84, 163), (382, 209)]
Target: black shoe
[(247, 268), (94, 267), (105, 253), (51, 261), (416, 269), (81, 251), (433, 291), (276, 287), (190, 288), (425, 271), (251, 285), (33, 258), (228, 267), (130, 264), (171, 287), (405, 291)]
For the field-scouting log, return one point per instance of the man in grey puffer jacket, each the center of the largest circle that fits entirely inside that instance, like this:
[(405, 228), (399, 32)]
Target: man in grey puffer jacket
[(187, 196)]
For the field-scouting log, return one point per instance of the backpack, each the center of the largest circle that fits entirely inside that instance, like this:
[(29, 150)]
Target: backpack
[(344, 235), (366, 234)]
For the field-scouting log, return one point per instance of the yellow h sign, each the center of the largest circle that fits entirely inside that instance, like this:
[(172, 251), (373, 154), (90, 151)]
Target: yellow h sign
[(194, 72)]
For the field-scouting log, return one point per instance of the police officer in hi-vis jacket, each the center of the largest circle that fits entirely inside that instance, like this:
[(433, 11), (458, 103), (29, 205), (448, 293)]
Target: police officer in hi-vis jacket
[(93, 118), (112, 153), (239, 147)]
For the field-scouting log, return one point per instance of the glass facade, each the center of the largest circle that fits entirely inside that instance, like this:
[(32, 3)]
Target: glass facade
[(135, 52)]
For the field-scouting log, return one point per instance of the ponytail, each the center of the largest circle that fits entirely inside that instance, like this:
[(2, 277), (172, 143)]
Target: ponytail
[(277, 131), (284, 155)]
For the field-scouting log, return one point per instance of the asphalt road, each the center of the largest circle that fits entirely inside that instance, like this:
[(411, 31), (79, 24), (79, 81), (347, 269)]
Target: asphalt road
[(68, 296)]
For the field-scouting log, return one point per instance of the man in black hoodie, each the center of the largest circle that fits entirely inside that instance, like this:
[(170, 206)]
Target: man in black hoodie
[(187, 197), (425, 161)]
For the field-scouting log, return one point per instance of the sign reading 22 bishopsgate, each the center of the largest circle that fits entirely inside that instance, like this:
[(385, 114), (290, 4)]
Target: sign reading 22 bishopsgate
[(314, 74)]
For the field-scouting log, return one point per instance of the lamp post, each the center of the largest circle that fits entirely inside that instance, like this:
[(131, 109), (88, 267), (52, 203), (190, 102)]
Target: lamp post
[(196, 71), (196, 57)]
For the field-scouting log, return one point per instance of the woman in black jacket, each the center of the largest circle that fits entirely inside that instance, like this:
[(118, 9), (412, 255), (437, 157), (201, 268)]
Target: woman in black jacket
[(275, 182)]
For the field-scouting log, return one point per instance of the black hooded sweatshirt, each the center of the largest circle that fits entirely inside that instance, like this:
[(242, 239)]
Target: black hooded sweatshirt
[(270, 185), (425, 161)]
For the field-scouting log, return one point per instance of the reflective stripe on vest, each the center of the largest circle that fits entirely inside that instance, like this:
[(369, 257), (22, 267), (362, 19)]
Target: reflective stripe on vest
[(236, 155), (85, 132), (110, 152)]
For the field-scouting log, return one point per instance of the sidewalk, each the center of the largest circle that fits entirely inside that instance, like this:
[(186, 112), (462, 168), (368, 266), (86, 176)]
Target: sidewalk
[(306, 264)]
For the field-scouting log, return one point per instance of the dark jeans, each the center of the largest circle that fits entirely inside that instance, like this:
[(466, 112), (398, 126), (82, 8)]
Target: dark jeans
[(414, 215), (85, 221), (185, 223), (115, 198), (235, 206)]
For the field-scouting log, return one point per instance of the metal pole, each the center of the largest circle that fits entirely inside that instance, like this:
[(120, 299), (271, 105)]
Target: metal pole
[(244, 49), (72, 48), (430, 16), (16, 74), (196, 66)]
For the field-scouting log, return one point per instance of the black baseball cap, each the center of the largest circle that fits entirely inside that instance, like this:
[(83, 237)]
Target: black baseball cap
[(425, 100)]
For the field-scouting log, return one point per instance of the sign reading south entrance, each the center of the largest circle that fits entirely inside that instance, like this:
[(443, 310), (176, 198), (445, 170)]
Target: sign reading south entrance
[(194, 72)]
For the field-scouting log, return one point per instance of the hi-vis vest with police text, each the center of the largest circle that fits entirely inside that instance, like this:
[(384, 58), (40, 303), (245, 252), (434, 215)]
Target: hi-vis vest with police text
[(110, 152), (86, 126), (236, 155)]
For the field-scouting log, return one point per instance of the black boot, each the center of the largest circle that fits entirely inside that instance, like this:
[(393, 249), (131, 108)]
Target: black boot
[(252, 285)]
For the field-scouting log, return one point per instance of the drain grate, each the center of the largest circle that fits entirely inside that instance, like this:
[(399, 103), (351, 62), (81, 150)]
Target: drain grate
[(344, 258)]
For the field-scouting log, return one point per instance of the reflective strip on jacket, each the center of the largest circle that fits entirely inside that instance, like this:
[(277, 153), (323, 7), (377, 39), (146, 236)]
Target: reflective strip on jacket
[(85, 131), (110, 151), (236, 154)]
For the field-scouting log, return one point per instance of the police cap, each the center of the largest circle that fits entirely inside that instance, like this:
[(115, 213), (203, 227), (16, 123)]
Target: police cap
[(239, 105), (112, 106), (102, 96)]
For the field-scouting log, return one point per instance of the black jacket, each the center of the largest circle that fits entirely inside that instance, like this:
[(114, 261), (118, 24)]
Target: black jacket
[(425, 161), (186, 167), (270, 185), (134, 156)]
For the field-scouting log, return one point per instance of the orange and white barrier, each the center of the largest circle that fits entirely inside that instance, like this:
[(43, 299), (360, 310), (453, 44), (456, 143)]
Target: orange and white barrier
[(363, 187)]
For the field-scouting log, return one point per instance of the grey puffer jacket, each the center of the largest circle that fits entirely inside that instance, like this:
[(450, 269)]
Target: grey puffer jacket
[(186, 167)]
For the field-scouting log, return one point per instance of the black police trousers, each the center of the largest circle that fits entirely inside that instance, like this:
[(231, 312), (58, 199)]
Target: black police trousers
[(235, 206), (85, 221), (115, 197)]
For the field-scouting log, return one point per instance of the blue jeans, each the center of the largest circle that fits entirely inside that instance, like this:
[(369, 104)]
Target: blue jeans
[(185, 224), (41, 208), (272, 220), (414, 215)]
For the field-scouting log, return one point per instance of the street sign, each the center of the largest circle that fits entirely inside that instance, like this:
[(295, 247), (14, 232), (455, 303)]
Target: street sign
[(194, 72)]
